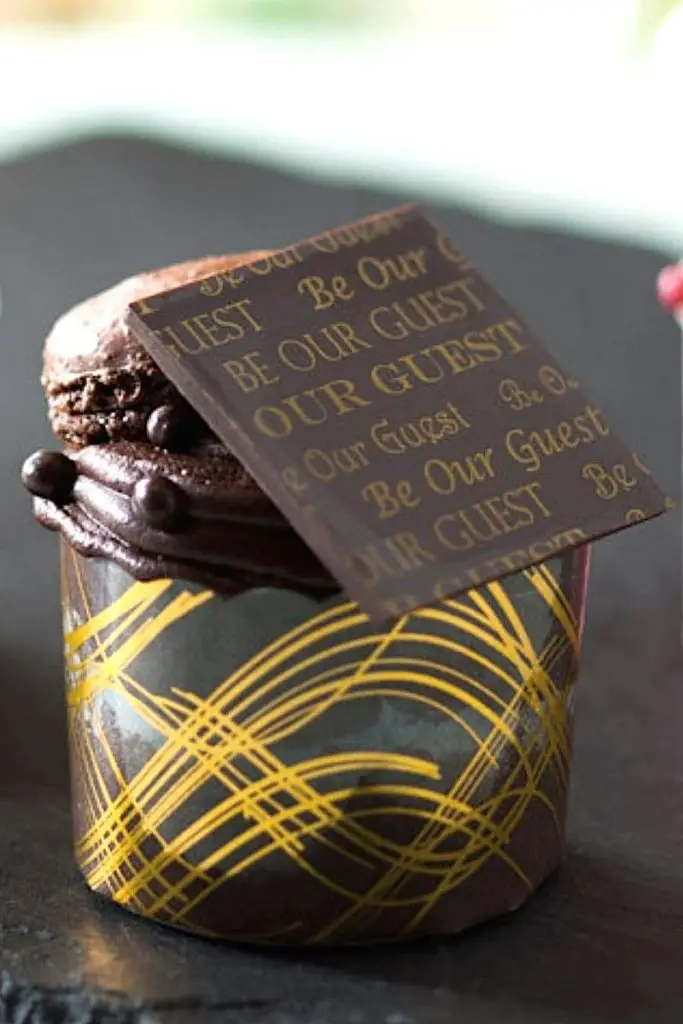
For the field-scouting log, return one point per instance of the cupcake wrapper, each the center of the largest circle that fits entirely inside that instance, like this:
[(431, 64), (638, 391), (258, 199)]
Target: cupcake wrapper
[(268, 768)]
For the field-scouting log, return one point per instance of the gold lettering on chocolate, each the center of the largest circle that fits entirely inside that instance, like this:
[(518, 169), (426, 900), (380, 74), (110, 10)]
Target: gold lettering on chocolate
[(442, 305), (530, 448), (493, 517), (174, 342), (554, 381), (428, 309), (378, 274), (394, 556), (327, 466), (342, 394), (451, 253), (212, 286), (326, 243), (219, 327), (514, 395), (424, 367), (273, 421), (354, 234), (143, 308), (199, 328), (387, 378), (325, 293), (400, 320), (389, 504), (261, 267), (444, 477), (243, 307), (286, 257), (394, 330), (331, 344), (310, 408), (609, 483), (250, 372), (466, 286), (277, 261), (405, 318), (427, 430), (435, 363), (413, 549), (216, 285), (509, 330)]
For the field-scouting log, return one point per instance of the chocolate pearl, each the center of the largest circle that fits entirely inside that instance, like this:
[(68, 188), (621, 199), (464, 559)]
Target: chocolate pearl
[(160, 503), (50, 475), (166, 427)]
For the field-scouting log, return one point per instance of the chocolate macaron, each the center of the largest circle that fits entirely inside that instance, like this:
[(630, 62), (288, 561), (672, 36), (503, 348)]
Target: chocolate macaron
[(100, 383)]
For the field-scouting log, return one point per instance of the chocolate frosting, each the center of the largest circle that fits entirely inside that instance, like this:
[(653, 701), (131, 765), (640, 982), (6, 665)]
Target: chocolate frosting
[(195, 515), (191, 513)]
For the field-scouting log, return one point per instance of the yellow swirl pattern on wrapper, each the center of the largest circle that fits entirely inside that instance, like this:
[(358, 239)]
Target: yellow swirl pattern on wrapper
[(469, 660)]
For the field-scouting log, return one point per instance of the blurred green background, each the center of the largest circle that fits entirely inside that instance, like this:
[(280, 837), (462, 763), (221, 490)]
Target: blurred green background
[(646, 16), (560, 111)]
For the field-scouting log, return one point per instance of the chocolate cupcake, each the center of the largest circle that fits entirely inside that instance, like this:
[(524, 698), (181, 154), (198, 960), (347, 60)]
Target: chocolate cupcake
[(252, 758)]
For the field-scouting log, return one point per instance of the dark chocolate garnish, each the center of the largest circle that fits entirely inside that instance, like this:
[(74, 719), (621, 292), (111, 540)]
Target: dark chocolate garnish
[(232, 537), (494, 459), (161, 503), (167, 428), (49, 475)]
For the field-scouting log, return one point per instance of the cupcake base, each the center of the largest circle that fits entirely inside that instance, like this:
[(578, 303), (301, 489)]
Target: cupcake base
[(270, 769)]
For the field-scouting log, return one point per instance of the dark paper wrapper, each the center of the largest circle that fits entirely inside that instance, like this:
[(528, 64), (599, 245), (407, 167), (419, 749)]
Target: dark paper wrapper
[(270, 769)]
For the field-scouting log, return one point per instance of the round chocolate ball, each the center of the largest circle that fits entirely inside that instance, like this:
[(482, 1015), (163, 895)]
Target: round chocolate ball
[(166, 427), (50, 475), (160, 502)]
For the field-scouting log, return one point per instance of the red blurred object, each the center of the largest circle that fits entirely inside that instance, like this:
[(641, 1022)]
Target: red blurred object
[(670, 287)]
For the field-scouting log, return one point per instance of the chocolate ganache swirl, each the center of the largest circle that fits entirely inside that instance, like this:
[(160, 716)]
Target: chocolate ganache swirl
[(195, 515)]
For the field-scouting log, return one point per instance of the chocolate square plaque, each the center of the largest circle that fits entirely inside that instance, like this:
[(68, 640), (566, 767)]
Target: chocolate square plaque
[(402, 415)]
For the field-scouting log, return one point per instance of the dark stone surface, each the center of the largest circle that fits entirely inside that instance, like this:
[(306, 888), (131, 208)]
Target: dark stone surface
[(603, 941)]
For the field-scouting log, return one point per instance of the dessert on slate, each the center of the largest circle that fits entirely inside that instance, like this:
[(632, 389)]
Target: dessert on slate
[(251, 757)]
